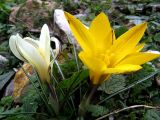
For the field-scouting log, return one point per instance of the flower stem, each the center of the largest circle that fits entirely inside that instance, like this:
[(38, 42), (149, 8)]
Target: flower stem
[(86, 101), (40, 83), (60, 89), (54, 97), (45, 102)]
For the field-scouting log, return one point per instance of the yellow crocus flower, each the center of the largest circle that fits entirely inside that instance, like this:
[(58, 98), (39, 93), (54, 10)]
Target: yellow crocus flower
[(37, 53), (103, 54)]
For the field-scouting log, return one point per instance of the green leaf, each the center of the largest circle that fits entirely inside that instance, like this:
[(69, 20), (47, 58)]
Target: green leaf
[(157, 37), (74, 80), (68, 67), (20, 117), (11, 111), (119, 31), (5, 78), (30, 100), (6, 101), (147, 69), (114, 84), (97, 110), (151, 115), (4, 45), (29, 106), (1, 109)]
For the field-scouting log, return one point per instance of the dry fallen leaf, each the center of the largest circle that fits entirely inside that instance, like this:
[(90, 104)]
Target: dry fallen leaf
[(12, 17), (32, 14), (21, 80)]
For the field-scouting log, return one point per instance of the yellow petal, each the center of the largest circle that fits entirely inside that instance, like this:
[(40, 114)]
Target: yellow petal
[(127, 42), (44, 43), (123, 69), (98, 78), (131, 37), (13, 46), (33, 56), (113, 37), (94, 77), (101, 31), (94, 64), (81, 33), (138, 47), (139, 58)]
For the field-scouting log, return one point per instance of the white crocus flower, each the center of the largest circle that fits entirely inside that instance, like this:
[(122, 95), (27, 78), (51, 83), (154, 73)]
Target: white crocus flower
[(37, 53), (61, 21)]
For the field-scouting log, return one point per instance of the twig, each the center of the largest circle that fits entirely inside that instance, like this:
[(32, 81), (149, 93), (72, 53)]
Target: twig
[(130, 86), (127, 108), (43, 114)]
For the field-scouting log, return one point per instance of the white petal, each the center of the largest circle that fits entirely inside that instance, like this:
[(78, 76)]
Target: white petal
[(44, 43), (153, 51), (35, 43), (61, 21), (57, 44), (33, 56), (13, 46)]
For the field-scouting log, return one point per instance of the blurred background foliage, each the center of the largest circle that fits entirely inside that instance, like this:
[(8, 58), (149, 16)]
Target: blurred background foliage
[(27, 16)]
